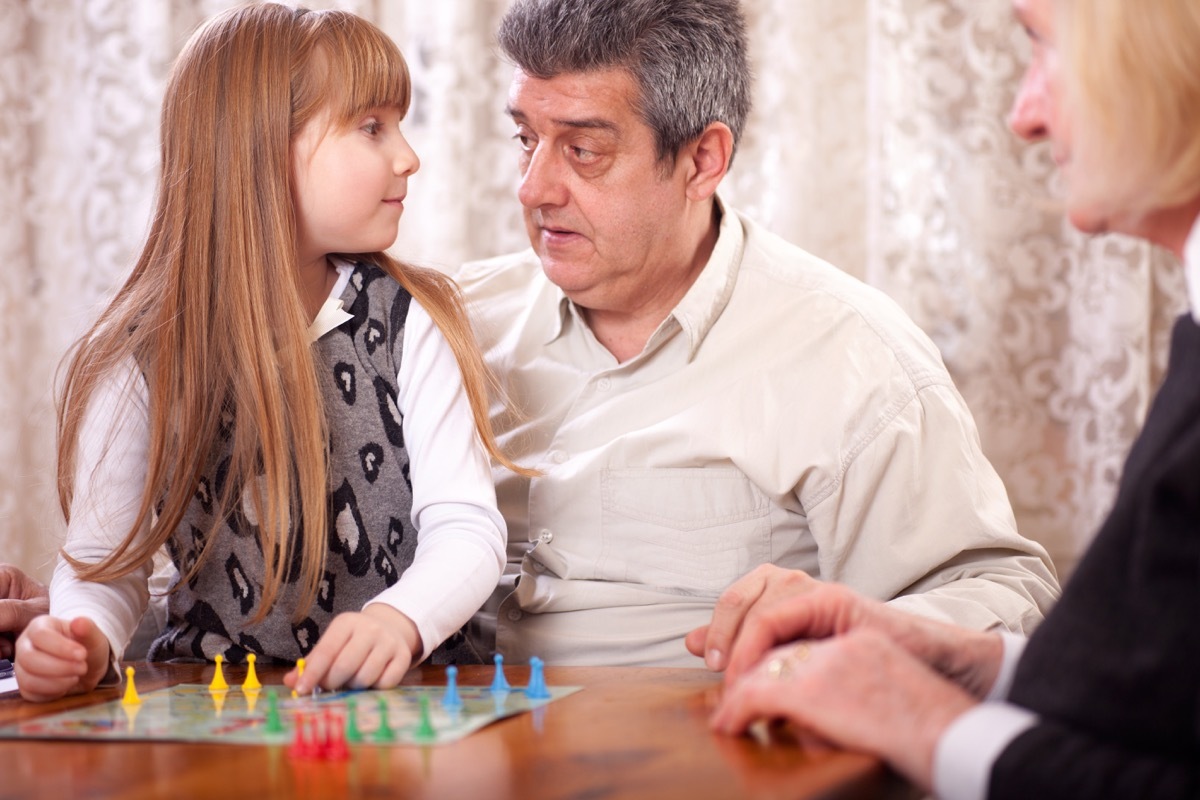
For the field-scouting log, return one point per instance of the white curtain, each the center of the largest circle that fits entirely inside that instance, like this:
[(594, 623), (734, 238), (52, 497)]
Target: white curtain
[(877, 141)]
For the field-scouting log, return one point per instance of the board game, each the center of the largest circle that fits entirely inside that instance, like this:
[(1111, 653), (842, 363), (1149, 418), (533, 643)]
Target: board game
[(423, 715)]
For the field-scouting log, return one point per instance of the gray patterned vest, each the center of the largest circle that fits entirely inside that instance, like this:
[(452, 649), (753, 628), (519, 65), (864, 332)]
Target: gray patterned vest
[(371, 536)]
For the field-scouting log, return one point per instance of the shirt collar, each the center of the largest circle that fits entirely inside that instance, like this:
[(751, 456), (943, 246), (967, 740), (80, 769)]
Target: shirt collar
[(1191, 268), (332, 314), (703, 302), (700, 308)]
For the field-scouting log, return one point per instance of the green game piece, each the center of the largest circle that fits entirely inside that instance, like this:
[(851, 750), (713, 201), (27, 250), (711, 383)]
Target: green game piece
[(274, 723), (384, 732), (425, 731), (353, 734)]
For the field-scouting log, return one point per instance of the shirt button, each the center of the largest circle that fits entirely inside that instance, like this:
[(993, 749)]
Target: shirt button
[(558, 457), (538, 567), (546, 536), (514, 615), (604, 384)]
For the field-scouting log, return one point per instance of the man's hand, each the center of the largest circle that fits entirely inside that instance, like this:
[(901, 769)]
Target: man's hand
[(764, 587), (57, 657), (368, 649), (21, 600)]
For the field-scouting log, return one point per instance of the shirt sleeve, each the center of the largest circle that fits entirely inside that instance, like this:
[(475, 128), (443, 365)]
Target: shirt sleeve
[(461, 536), (110, 479), (962, 762), (920, 518), (1014, 646), (968, 749)]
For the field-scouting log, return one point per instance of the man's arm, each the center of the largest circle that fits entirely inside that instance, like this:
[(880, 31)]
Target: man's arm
[(920, 518)]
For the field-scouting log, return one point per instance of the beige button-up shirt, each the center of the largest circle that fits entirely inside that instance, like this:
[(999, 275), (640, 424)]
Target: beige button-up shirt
[(783, 413)]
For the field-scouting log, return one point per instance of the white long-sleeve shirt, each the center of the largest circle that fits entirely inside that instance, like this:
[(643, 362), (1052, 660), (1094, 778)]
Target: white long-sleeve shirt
[(461, 535)]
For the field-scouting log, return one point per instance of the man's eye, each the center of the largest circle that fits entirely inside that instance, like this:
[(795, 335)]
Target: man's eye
[(523, 140), (583, 155)]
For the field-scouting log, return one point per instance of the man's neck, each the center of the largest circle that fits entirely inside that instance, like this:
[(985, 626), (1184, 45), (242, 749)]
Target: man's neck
[(625, 331)]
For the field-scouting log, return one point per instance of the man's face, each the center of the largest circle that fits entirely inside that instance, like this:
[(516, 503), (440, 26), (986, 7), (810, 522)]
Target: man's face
[(1039, 112), (601, 214)]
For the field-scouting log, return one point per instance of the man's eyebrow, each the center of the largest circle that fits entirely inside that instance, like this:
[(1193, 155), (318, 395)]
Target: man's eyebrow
[(591, 123)]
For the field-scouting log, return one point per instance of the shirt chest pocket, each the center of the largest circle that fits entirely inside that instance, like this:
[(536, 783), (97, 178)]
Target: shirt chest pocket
[(686, 530)]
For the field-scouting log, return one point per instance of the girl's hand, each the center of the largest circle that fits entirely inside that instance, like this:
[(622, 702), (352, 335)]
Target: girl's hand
[(369, 649), (58, 657)]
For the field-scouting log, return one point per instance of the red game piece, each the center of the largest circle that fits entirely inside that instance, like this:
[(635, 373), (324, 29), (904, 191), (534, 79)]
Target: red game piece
[(335, 738), (302, 746)]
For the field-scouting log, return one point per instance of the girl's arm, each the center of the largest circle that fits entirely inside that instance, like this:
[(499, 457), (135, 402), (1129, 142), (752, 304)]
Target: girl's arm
[(461, 535), (110, 477)]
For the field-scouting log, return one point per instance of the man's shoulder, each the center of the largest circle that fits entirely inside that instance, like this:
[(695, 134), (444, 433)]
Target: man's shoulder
[(790, 287), (491, 277), (786, 274)]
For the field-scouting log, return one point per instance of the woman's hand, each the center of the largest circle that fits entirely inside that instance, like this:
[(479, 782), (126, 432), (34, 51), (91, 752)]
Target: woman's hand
[(860, 691), (811, 609)]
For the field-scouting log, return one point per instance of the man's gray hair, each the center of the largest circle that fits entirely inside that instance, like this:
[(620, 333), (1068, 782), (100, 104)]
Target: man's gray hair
[(687, 57)]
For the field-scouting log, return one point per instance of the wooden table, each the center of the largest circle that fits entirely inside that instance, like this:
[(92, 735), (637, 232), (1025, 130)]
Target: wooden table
[(631, 733)]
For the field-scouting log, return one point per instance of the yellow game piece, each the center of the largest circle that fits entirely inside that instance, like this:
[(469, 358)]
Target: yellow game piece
[(251, 681), (299, 672), (218, 682), (131, 695)]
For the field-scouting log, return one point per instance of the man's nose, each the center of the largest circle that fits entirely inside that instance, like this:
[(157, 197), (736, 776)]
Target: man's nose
[(542, 181)]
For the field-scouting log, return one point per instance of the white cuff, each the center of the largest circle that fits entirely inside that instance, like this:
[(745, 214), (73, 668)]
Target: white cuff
[(962, 762), (1014, 646)]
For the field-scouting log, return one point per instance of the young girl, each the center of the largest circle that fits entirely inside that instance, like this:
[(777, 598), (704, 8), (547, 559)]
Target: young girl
[(302, 420)]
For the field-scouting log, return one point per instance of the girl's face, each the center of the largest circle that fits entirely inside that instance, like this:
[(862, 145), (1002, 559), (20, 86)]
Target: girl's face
[(350, 184)]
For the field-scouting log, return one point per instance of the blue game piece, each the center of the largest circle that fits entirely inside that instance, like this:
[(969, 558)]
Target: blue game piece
[(500, 683), (537, 681), (451, 699)]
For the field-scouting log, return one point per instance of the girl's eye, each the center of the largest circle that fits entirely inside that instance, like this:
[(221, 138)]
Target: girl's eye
[(371, 127)]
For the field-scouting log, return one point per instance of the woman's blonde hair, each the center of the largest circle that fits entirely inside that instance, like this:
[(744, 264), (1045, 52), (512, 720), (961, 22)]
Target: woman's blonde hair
[(212, 312), (1132, 80)]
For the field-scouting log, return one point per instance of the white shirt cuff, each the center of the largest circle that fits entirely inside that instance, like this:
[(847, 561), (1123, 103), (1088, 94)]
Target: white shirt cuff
[(962, 763), (1014, 646)]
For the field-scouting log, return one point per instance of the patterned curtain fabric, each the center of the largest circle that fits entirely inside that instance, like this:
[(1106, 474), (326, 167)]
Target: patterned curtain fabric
[(878, 142)]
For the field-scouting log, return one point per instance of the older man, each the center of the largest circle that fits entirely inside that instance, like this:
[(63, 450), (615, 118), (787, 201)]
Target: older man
[(702, 397)]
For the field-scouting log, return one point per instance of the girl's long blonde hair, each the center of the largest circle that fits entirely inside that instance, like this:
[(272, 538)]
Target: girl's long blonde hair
[(212, 312)]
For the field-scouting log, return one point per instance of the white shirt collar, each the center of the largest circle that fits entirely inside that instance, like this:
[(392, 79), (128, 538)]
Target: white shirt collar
[(331, 314), (1191, 268)]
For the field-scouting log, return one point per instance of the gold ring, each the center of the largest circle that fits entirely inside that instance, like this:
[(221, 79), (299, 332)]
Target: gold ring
[(781, 667)]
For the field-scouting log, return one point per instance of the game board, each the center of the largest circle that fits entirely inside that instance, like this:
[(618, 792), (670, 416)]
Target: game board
[(195, 713)]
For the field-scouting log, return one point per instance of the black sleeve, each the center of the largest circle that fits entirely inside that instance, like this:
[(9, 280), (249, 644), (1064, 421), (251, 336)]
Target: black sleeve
[(1052, 760)]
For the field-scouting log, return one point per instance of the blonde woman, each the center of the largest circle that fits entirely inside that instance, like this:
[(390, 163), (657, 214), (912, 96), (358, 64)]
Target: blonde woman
[(1104, 699), (299, 418)]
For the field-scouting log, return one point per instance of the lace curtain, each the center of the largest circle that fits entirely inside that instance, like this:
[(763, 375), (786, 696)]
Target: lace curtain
[(877, 142)]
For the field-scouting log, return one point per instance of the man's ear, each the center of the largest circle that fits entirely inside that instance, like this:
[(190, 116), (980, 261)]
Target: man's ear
[(709, 155)]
